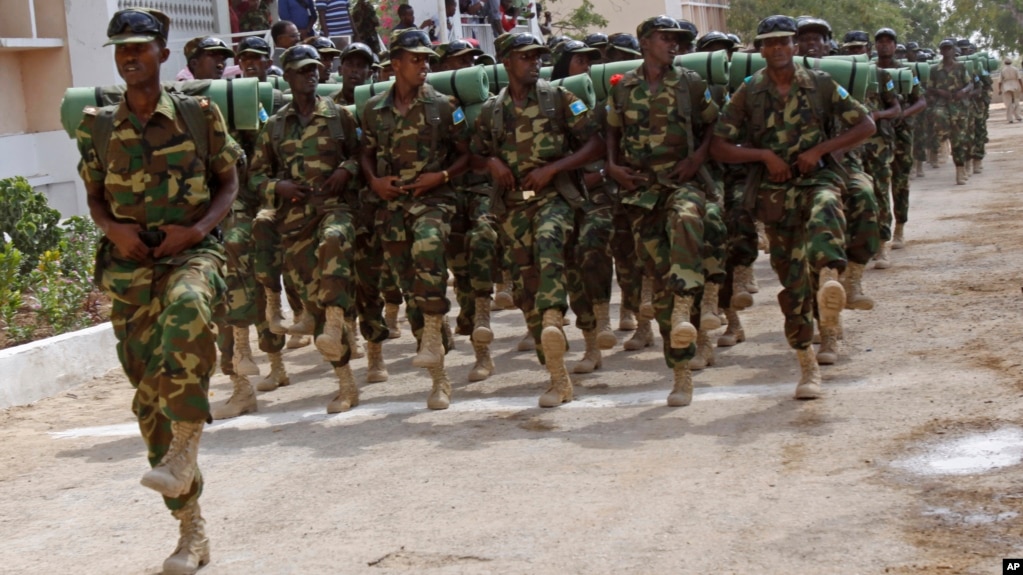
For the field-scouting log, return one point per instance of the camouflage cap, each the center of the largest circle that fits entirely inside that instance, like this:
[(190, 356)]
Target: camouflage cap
[(712, 37), (575, 47), (625, 42), (137, 25), (323, 45), (946, 43), (886, 32), (912, 46), (662, 24), (411, 40), (777, 26), (855, 38), (206, 44), (811, 24), (519, 42), (485, 60), (689, 27), (596, 39), (360, 49), (457, 48), (300, 56), (253, 44), (964, 43)]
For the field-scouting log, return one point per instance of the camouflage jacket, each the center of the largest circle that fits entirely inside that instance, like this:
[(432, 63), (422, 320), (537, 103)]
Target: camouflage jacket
[(256, 18), (952, 79), (365, 23), (307, 154), (529, 139), (153, 177)]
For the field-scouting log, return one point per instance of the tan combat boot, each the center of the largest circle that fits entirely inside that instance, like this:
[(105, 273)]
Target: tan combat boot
[(298, 341), (646, 300), (243, 364), (484, 366), (830, 297), (852, 282), (961, 175), (274, 315), (440, 395), (828, 352), (173, 476), (554, 345), (742, 276), (331, 342), (503, 293), (376, 370), (481, 332), (809, 386), (242, 400), (527, 343), (704, 352), (919, 165), (642, 337), (605, 337), (932, 159), (193, 550), (763, 244), (391, 320), (682, 391), (348, 393), (626, 319), (733, 333), (882, 259), (305, 324), (978, 165), (431, 345), (683, 333), (277, 377), (591, 358), (897, 240), (709, 319), (352, 337)]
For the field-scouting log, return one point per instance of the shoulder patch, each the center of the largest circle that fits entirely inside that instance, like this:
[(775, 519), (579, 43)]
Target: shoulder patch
[(843, 93), (890, 85), (358, 133), (263, 117), (578, 107), (706, 94), (458, 116), (91, 110), (748, 80), (916, 81)]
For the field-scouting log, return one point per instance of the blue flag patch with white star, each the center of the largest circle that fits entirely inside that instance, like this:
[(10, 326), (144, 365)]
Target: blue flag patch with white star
[(458, 116), (577, 108), (843, 93)]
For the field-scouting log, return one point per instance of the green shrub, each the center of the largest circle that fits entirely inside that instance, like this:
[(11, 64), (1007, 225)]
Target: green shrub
[(30, 223)]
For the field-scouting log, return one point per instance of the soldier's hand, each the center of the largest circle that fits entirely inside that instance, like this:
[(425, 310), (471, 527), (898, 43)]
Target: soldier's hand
[(539, 178), (125, 238), (337, 181), (179, 238), (501, 174), (424, 183), (808, 161), (684, 170), (626, 177), (291, 192), (386, 187), (778, 171)]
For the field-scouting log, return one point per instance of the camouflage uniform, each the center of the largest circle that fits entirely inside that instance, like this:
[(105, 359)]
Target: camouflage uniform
[(862, 232), (472, 246), (318, 233), (256, 18), (162, 310), (802, 216), (414, 231), (981, 108), (535, 227), (879, 151), (902, 164), (950, 115), (666, 216), (365, 24)]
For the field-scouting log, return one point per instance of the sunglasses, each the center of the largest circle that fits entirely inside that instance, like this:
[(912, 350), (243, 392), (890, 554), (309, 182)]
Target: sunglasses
[(253, 43), (520, 40), (776, 24), (624, 41), (458, 46), (137, 22), (595, 39), (412, 39), (303, 52)]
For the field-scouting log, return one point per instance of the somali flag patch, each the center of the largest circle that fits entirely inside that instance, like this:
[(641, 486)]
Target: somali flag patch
[(262, 115), (843, 93), (577, 108), (458, 116), (706, 94), (916, 81), (890, 85), (358, 133)]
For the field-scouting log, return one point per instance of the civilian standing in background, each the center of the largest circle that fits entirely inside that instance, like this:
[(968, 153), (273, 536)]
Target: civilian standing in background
[(1011, 88), (300, 12), (334, 19)]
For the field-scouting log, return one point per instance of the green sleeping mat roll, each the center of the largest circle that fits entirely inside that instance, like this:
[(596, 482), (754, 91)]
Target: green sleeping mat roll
[(853, 76), (711, 66), (582, 86), (469, 85)]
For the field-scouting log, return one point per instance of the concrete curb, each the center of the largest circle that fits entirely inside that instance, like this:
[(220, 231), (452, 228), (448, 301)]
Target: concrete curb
[(46, 367)]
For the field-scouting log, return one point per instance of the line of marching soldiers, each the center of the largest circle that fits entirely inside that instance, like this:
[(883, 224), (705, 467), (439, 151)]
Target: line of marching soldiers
[(663, 186)]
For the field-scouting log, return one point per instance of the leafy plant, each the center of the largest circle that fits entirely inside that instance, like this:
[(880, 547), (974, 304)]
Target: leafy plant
[(28, 221)]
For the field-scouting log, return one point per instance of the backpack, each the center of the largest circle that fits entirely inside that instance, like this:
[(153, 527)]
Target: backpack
[(687, 98), (492, 111), (436, 109), (820, 105), (275, 126), (192, 110)]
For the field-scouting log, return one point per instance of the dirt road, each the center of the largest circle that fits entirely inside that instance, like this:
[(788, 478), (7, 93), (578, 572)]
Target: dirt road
[(909, 464)]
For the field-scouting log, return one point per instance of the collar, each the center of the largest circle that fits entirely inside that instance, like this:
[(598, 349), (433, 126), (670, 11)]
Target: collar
[(762, 82), (388, 100), (321, 108), (165, 107), (670, 77)]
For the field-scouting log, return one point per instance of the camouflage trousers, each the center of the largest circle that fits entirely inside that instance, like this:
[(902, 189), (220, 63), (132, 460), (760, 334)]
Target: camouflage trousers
[(534, 235), (715, 243), (418, 262), (471, 251), (741, 247), (628, 271), (589, 264), (878, 154), (168, 351), (246, 305), (862, 233), (669, 247), (950, 123), (979, 129), (902, 165), (923, 133), (370, 273)]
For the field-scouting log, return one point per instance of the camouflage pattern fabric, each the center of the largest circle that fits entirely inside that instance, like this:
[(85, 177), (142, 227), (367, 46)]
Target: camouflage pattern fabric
[(256, 18), (365, 24), (981, 111), (370, 273), (628, 272), (589, 264), (862, 233), (472, 246), (162, 310), (902, 166), (950, 118), (741, 246), (879, 152)]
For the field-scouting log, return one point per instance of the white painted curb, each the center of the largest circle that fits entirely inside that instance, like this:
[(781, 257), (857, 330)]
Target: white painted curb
[(46, 367)]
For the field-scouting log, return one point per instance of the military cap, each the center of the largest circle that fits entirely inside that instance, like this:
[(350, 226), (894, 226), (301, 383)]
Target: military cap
[(411, 40), (553, 41), (206, 44), (137, 25), (736, 40), (946, 43), (661, 24), (712, 37), (457, 48), (361, 49), (519, 42), (855, 38), (300, 56), (964, 43), (886, 32), (596, 39), (900, 48), (253, 44), (777, 26), (625, 42), (688, 26), (323, 45), (811, 24), (485, 60), (575, 47), (912, 46)]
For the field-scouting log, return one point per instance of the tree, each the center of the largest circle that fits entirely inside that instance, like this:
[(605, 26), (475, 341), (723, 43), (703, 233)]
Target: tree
[(991, 24), (843, 15), (580, 21)]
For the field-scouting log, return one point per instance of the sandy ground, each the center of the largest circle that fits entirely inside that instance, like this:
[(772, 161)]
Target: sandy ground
[(909, 464)]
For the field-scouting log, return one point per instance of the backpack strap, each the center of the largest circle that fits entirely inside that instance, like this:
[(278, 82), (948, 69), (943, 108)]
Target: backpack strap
[(684, 105), (550, 102), (102, 129), (820, 100), (193, 111), (497, 116), (756, 101), (275, 127)]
